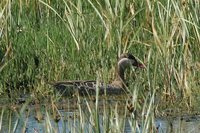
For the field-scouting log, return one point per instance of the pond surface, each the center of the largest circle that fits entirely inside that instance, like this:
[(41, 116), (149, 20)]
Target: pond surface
[(39, 118)]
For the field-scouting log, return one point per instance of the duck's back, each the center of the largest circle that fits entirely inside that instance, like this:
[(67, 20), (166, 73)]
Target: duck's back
[(88, 87)]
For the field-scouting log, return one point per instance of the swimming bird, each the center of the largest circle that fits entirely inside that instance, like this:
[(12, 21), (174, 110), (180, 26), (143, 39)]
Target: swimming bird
[(118, 86)]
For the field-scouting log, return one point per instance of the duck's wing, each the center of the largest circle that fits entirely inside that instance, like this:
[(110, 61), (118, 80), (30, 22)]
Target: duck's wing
[(86, 87), (74, 83)]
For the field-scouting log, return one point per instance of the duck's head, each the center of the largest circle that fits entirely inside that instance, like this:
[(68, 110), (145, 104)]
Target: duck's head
[(127, 60)]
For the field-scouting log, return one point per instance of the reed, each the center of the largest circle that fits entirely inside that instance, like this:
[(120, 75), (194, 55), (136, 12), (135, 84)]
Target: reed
[(43, 41)]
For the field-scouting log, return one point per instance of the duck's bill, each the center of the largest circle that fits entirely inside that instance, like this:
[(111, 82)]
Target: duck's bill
[(141, 65)]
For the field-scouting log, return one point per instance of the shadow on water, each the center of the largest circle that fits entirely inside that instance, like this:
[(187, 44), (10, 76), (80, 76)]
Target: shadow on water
[(71, 115)]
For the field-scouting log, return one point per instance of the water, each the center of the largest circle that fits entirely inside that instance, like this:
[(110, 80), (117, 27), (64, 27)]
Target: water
[(81, 120), (163, 125)]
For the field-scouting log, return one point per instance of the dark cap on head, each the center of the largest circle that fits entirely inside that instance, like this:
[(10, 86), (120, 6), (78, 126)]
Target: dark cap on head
[(132, 58)]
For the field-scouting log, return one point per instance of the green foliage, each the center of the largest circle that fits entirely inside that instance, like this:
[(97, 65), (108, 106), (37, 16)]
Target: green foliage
[(43, 41)]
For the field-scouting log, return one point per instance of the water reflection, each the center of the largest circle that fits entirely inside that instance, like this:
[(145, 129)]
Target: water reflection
[(71, 121)]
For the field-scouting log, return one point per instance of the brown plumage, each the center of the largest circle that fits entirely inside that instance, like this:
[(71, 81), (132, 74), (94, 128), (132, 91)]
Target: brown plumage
[(89, 86)]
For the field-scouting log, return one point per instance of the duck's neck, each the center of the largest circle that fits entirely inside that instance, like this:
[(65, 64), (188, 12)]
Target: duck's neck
[(120, 70), (120, 73)]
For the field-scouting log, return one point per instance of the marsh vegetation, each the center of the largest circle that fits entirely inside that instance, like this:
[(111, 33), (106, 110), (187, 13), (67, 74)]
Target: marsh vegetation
[(45, 40)]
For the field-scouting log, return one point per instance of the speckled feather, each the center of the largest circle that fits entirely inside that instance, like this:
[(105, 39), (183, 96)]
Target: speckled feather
[(83, 87)]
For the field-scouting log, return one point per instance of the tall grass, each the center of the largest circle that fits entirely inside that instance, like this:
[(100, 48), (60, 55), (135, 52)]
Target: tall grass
[(84, 119), (42, 41)]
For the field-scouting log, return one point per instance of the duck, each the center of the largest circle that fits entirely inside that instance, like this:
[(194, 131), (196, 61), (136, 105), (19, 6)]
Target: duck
[(117, 86)]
